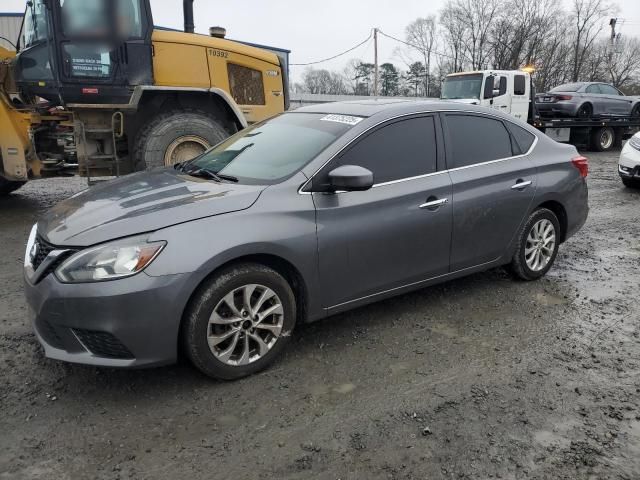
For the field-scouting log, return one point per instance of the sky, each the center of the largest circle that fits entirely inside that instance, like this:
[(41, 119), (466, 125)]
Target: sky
[(318, 30)]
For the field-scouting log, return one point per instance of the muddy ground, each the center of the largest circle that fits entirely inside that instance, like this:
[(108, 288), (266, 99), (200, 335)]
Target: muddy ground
[(478, 378)]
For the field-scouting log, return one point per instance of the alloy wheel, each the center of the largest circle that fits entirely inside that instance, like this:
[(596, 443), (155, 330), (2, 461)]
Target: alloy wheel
[(541, 244), (245, 325)]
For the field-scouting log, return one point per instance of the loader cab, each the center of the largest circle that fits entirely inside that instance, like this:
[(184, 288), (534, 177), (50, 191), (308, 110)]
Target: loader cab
[(84, 51), (504, 90)]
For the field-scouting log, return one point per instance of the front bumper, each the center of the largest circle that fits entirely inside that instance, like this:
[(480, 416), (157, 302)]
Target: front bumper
[(132, 322), (629, 164)]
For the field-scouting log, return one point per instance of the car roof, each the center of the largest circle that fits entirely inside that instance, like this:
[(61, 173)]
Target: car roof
[(389, 107)]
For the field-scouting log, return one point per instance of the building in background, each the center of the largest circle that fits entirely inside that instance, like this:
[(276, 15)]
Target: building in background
[(10, 29)]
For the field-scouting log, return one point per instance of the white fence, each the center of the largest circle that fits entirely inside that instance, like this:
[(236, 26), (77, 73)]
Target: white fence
[(304, 99)]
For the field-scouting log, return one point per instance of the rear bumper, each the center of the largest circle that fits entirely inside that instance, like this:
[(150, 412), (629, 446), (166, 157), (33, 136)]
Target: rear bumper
[(557, 109), (132, 322), (577, 208)]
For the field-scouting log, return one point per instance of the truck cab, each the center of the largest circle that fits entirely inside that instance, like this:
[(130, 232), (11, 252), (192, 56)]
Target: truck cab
[(509, 91)]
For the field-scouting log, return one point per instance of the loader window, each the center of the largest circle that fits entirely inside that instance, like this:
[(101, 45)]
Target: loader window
[(246, 85), (35, 26), (90, 19)]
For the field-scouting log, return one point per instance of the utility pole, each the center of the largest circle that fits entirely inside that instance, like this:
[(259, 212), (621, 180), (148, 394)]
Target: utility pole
[(375, 62), (612, 24)]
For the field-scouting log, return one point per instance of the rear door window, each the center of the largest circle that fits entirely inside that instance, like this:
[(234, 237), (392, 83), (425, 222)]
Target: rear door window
[(399, 150), (609, 90), (593, 89), (476, 139)]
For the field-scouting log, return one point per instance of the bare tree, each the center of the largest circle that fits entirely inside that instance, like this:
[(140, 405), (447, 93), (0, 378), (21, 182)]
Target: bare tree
[(323, 82), (623, 63), (587, 19), (420, 34)]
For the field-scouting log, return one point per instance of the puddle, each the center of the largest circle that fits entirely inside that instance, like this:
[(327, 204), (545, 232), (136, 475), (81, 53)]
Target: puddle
[(549, 300), (345, 388)]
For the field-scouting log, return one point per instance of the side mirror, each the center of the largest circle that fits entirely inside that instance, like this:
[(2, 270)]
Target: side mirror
[(488, 88), (350, 178)]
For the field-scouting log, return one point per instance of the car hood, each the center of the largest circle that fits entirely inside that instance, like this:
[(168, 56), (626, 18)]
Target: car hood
[(140, 203)]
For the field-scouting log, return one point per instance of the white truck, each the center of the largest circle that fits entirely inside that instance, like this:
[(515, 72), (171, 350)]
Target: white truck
[(512, 92)]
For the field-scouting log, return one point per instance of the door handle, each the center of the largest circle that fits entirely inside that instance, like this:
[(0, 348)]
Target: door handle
[(434, 204), (521, 185)]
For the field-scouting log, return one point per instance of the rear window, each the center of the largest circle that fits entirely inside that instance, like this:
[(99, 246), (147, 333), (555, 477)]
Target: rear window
[(520, 85), (271, 151), (567, 87)]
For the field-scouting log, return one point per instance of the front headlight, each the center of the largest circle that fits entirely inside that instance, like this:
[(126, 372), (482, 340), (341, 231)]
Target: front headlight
[(635, 141), (118, 259)]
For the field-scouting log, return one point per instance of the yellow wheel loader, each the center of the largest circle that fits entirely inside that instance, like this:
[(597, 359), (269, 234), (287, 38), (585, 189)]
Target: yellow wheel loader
[(95, 89)]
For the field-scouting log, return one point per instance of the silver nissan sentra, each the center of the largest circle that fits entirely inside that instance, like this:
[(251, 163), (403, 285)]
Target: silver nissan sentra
[(308, 214)]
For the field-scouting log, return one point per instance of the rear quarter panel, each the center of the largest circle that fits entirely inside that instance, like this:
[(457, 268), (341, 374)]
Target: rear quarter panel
[(560, 181)]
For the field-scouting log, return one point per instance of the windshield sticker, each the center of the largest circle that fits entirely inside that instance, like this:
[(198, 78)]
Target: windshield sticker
[(348, 119)]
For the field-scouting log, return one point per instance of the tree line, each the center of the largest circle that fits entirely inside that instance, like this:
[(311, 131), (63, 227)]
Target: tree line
[(563, 43)]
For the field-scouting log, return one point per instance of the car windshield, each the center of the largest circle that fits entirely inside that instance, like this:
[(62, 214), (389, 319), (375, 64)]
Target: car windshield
[(271, 151), (462, 86), (567, 87)]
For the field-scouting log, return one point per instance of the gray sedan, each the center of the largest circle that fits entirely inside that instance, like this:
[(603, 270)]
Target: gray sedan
[(306, 215), (586, 100)]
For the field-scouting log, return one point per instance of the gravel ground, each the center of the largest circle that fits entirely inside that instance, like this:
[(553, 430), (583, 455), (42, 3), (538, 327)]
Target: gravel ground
[(483, 377)]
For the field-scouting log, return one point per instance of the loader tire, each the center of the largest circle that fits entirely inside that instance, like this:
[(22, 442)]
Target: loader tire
[(8, 186), (175, 137)]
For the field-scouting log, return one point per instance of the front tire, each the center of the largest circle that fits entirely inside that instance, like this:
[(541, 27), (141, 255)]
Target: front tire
[(239, 321), (538, 243), (174, 137), (8, 186)]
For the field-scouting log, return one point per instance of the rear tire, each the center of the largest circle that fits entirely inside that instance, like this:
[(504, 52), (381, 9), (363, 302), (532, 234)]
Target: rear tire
[(635, 113), (630, 183), (541, 226), (603, 139), (585, 111), (215, 337), (8, 186), (174, 137)]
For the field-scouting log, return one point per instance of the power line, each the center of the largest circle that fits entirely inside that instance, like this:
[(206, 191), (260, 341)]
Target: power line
[(435, 52), (335, 56)]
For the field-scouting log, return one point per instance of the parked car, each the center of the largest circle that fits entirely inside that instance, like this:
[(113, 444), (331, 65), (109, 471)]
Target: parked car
[(306, 215), (629, 164), (587, 100)]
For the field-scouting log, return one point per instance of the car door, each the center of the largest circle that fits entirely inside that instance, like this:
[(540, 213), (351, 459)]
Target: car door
[(616, 102), (399, 231), (597, 99), (493, 186)]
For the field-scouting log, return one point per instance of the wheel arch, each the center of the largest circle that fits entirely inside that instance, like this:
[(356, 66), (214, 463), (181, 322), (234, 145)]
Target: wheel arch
[(278, 263), (585, 103), (560, 212), (148, 101)]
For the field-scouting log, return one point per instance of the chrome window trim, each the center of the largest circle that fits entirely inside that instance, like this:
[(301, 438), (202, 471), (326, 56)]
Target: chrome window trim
[(407, 179)]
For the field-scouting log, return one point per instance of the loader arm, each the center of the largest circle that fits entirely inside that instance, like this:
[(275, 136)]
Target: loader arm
[(15, 124)]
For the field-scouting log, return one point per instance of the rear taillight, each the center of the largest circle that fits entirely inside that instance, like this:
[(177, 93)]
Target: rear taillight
[(582, 164), (563, 97)]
